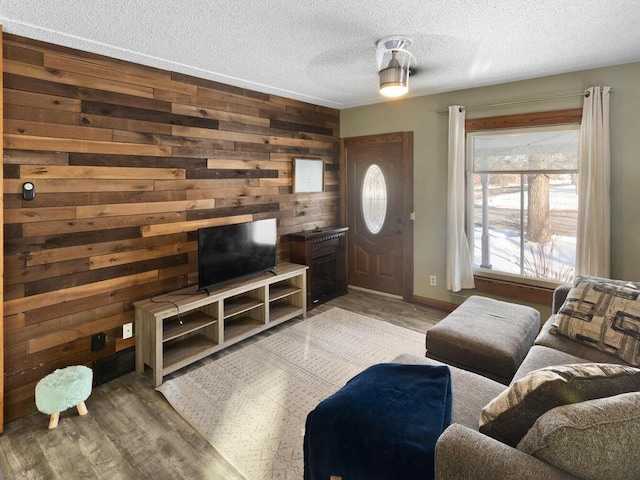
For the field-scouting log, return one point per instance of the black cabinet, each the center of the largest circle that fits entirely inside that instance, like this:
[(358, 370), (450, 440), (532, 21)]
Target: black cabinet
[(324, 252)]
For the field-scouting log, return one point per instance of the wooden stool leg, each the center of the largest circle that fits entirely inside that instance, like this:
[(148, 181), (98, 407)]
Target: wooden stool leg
[(53, 420), (82, 408)]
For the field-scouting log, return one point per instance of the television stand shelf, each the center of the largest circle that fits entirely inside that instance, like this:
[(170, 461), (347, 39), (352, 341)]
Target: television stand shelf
[(178, 328)]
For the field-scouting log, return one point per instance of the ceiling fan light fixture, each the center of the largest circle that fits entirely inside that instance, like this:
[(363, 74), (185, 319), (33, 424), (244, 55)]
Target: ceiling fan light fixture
[(396, 59), (394, 80)]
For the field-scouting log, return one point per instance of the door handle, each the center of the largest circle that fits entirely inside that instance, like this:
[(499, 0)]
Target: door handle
[(397, 232)]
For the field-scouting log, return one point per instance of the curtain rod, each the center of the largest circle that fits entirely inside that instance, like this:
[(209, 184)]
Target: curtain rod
[(517, 102)]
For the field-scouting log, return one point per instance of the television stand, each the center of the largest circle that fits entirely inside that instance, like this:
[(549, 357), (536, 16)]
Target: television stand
[(178, 328)]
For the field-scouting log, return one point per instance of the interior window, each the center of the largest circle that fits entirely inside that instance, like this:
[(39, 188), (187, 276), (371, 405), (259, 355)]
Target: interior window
[(522, 206)]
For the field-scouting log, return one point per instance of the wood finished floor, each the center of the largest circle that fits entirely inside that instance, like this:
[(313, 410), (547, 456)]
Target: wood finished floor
[(131, 432)]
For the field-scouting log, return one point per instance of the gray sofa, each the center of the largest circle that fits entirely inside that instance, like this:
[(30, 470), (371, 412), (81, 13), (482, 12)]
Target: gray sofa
[(462, 452)]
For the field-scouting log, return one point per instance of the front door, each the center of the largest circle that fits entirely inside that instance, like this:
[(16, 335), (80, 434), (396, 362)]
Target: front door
[(379, 202)]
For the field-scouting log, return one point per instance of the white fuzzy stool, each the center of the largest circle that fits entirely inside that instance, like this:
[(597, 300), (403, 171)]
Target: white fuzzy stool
[(63, 389)]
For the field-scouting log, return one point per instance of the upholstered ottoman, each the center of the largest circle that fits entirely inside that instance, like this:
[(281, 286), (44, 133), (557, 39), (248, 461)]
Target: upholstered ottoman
[(485, 336), (383, 424)]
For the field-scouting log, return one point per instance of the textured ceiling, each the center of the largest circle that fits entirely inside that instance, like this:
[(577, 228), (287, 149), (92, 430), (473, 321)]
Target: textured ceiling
[(323, 52)]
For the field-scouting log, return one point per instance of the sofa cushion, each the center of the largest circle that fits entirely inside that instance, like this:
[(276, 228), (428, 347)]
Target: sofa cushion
[(584, 438), (603, 315), (572, 347), (511, 414), (541, 357)]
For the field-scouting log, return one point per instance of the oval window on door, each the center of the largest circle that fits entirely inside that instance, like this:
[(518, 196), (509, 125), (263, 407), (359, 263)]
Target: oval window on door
[(374, 199)]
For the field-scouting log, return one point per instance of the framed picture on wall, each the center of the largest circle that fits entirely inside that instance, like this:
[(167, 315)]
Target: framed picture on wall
[(308, 175)]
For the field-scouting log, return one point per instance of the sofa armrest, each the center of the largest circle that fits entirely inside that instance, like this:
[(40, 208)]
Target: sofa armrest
[(462, 453), (559, 296)]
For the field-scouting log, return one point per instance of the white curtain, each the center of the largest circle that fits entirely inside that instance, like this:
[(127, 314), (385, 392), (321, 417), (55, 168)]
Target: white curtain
[(593, 247), (459, 260)]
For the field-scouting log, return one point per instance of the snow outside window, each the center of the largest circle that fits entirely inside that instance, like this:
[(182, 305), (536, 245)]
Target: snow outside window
[(522, 206)]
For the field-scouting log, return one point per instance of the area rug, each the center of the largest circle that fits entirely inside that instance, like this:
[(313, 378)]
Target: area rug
[(251, 404)]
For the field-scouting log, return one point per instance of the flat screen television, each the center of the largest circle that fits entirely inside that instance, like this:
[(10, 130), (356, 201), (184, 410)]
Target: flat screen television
[(229, 252)]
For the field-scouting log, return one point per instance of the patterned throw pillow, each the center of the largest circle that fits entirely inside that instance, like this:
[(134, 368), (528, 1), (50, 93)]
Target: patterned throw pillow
[(620, 283), (510, 415), (603, 315)]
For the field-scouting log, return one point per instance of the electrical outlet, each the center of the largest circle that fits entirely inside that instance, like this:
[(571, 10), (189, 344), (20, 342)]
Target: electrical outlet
[(433, 281), (127, 330), (98, 341)]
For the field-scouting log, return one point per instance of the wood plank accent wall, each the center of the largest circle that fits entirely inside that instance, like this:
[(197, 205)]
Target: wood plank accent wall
[(2, 350), (128, 161)]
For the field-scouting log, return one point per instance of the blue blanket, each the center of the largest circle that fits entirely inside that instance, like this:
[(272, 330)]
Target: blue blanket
[(383, 424)]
